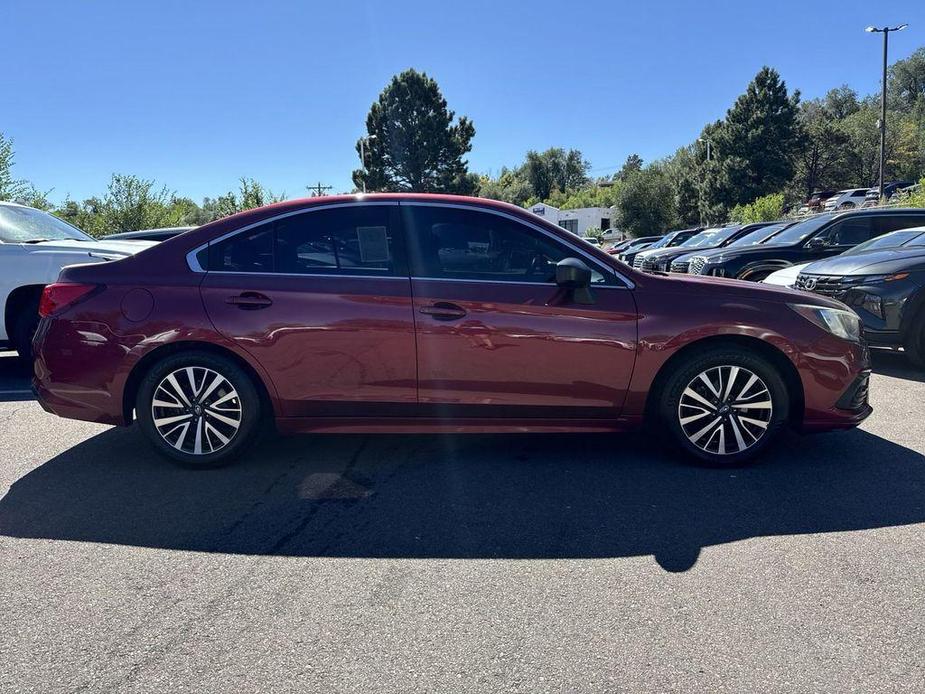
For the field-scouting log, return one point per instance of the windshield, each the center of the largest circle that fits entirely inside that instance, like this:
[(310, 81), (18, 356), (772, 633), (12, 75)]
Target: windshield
[(710, 238), (800, 231), (760, 235), (25, 224), (892, 240), (664, 241)]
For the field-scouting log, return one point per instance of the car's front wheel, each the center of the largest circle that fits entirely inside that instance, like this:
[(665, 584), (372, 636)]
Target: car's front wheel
[(198, 409), (724, 406)]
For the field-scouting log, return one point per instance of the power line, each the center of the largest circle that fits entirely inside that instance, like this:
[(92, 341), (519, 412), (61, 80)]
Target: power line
[(319, 189)]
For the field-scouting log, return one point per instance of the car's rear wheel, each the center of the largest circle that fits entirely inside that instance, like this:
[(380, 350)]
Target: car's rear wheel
[(725, 406), (24, 330), (198, 409)]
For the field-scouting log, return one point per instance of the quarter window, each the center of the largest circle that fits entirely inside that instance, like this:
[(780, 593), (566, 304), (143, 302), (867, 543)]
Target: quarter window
[(887, 223), (453, 243)]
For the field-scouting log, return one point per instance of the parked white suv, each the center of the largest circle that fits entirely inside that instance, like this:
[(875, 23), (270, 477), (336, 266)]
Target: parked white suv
[(34, 246), (846, 199)]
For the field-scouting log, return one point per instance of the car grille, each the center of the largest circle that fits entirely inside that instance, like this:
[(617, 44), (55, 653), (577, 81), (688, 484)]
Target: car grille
[(696, 265), (826, 285), (680, 266), (649, 264), (637, 262)]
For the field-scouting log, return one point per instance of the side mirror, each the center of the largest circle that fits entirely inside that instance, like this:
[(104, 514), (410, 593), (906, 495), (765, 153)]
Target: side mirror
[(571, 273), (817, 243), (574, 279)]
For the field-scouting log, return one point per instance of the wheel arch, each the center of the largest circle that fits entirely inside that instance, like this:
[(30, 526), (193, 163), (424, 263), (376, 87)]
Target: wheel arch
[(141, 368), (774, 355), (761, 266), (17, 298)]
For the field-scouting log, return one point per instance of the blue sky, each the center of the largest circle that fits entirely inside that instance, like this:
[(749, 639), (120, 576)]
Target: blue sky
[(197, 94)]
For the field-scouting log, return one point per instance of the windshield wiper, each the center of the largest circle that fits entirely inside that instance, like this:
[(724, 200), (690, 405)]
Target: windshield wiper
[(36, 241)]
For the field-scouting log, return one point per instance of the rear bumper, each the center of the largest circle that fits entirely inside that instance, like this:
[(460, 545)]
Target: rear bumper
[(79, 371)]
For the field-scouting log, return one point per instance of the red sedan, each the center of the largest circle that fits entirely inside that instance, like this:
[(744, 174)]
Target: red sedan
[(424, 313)]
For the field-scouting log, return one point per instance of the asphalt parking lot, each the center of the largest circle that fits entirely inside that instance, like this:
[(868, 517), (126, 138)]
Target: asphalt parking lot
[(436, 563)]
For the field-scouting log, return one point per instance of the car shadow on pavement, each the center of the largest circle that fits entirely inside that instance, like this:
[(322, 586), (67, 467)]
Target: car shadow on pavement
[(895, 364), (15, 378), (476, 496)]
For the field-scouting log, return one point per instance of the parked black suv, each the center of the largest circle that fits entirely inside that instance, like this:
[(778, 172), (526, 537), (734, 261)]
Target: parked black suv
[(661, 259), (669, 240), (815, 238), (884, 282), (754, 234)]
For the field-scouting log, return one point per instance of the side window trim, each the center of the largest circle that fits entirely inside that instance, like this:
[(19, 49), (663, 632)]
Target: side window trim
[(622, 282)]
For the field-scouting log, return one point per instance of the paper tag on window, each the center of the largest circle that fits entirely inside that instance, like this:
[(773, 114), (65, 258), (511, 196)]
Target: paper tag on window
[(374, 244)]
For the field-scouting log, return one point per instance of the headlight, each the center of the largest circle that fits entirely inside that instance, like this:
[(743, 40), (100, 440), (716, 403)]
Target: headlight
[(716, 260), (873, 304), (841, 323), (873, 279)]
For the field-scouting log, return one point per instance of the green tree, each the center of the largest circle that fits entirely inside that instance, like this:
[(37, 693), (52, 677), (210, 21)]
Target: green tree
[(555, 169), (250, 194), (765, 209), (822, 156), (413, 143), (646, 203), (632, 164), (10, 188), (906, 82), (510, 186), (757, 143)]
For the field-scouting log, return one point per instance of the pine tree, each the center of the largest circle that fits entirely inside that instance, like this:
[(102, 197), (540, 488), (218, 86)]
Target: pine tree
[(413, 144)]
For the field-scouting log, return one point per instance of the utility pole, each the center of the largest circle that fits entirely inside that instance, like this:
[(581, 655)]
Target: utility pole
[(364, 142), (319, 189), (882, 124), (709, 142)]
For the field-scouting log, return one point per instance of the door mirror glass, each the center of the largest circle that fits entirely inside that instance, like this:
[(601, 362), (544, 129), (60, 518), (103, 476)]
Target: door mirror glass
[(817, 242)]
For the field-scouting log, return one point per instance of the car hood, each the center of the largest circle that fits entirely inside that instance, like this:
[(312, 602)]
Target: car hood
[(873, 263), (89, 249)]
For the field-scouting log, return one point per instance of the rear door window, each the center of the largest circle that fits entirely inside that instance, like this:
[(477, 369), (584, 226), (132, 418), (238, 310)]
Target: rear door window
[(355, 240)]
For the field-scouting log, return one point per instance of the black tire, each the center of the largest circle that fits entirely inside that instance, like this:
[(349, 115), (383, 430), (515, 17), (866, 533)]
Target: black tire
[(24, 327), (730, 411), (914, 344), (247, 412), (755, 275)]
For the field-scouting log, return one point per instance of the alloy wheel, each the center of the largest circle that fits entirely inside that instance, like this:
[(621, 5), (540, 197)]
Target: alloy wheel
[(196, 410), (725, 410)]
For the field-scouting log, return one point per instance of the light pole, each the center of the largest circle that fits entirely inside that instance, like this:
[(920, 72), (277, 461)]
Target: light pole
[(363, 142), (886, 38), (709, 144)]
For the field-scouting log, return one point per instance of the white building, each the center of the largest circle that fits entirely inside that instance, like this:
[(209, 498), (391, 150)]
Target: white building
[(577, 221)]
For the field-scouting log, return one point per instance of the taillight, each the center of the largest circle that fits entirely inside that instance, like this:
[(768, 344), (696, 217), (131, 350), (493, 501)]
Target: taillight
[(62, 294)]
